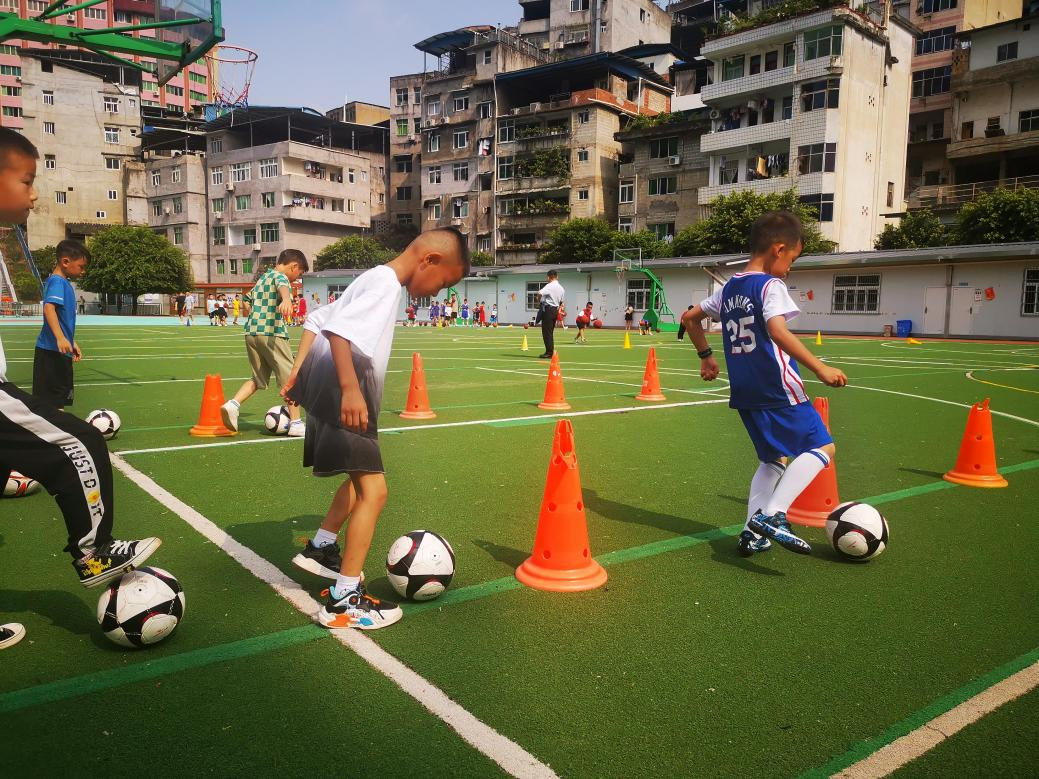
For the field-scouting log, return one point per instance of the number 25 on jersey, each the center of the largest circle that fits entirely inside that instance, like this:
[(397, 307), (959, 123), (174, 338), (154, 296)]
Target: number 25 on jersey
[(741, 335)]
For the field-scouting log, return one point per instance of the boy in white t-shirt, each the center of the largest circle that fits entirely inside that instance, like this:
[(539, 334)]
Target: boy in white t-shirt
[(338, 378)]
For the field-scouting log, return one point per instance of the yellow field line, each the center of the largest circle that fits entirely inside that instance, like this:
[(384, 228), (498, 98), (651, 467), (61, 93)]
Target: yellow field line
[(972, 377)]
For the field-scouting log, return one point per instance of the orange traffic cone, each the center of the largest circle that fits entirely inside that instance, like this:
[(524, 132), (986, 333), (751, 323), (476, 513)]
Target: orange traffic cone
[(555, 398), (819, 498), (417, 406), (561, 560), (976, 465), (651, 380), (210, 425)]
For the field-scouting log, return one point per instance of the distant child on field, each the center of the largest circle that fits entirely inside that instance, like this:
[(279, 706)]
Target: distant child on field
[(338, 378), (269, 308), (494, 315), (434, 314), (411, 312), (584, 318), (301, 310), (629, 316), (765, 386), (465, 312), (56, 347), (644, 327), (236, 307)]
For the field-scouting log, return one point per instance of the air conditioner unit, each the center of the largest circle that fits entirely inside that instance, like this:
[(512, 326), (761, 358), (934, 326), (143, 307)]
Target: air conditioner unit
[(256, 247), (715, 114), (560, 45), (176, 152), (515, 111), (166, 211), (229, 186), (535, 106), (674, 159), (218, 217)]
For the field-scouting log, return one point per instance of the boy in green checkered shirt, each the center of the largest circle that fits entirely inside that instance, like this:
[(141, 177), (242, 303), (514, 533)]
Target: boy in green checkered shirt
[(269, 307)]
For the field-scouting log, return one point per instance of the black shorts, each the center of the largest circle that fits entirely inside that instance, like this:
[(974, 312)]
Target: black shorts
[(52, 377), (332, 450), (628, 317)]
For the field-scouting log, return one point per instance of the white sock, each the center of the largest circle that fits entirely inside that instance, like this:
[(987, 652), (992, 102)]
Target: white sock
[(235, 403), (762, 485), (345, 584), (324, 538), (799, 474)]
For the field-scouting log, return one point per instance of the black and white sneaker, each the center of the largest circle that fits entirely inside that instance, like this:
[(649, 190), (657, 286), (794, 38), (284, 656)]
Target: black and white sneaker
[(357, 609), (113, 559), (320, 560), (11, 634)]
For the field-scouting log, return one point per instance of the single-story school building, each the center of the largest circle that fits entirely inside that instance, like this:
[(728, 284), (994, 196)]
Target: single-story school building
[(988, 291)]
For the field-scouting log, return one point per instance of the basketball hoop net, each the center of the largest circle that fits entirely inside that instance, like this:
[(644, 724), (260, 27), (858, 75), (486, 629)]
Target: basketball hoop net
[(231, 74)]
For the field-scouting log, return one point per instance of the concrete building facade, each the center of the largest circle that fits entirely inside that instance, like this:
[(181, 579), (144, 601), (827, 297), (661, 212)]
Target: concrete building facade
[(575, 28), (404, 194), (177, 205)]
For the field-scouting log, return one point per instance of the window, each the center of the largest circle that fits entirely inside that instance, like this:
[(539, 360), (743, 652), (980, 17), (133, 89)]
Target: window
[(932, 6), (111, 104), (111, 134), (856, 294), (249, 236), (1006, 52), (584, 116), (216, 145), (403, 193), (418, 125), (461, 139), (663, 185), (178, 205), (247, 265), (402, 96), (10, 110), (638, 293), (507, 131), (12, 91), (220, 267), (816, 158), (627, 192), (198, 78), (665, 147), (218, 205), (433, 174), (48, 97), (402, 128), (487, 57), (967, 130), (626, 224), (351, 206), (267, 199), (95, 13), (1030, 293), (416, 95), (582, 155), (816, 95), (405, 220), (402, 164), (935, 40), (241, 171), (771, 60), (823, 204), (931, 81), (823, 43), (351, 176), (175, 174), (112, 163), (434, 211), (729, 172), (156, 208), (234, 266), (113, 194), (890, 194), (243, 202), (460, 171), (60, 198), (483, 244), (460, 208), (1028, 120), (582, 194), (533, 300), (485, 110), (178, 236), (174, 91), (220, 236), (10, 70), (662, 230), (732, 68), (460, 104), (48, 128), (216, 175), (269, 232), (433, 107), (156, 178), (788, 107), (579, 5), (50, 162), (268, 168), (433, 142), (506, 167), (755, 65)]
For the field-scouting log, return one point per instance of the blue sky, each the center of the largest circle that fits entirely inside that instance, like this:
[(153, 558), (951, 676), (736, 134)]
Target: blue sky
[(315, 52)]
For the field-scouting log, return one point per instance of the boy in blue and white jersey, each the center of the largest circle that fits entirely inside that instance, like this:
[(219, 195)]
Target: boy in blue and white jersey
[(761, 357)]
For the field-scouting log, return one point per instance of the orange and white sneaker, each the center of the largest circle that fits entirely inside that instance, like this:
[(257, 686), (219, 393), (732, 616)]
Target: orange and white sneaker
[(357, 609)]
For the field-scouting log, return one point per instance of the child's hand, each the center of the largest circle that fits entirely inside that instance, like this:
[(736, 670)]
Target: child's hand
[(64, 346), (833, 377), (77, 354), (709, 369), (285, 309), (353, 412), (290, 382)]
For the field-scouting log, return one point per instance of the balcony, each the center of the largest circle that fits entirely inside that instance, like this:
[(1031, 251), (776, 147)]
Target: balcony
[(996, 144), (772, 26), (532, 184), (746, 136), (547, 138), (747, 85), (532, 219), (955, 195), (325, 216), (583, 97), (761, 187), (517, 254)]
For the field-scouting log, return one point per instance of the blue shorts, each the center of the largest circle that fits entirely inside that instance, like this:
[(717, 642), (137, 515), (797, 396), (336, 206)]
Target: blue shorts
[(785, 432)]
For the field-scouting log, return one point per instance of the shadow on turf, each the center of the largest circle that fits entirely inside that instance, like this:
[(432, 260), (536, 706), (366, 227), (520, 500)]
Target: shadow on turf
[(61, 608), (503, 554), (921, 472)]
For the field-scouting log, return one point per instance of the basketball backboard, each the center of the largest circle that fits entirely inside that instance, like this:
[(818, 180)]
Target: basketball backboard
[(194, 37)]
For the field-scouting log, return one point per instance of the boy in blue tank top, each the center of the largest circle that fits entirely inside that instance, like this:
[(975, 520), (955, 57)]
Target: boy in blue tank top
[(761, 356)]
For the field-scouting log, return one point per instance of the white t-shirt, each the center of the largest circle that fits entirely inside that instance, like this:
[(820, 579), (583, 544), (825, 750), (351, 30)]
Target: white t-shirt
[(3, 363), (189, 301), (552, 294), (210, 305)]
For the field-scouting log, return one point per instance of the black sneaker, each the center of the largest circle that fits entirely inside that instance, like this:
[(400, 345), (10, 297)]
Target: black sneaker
[(11, 634), (320, 560), (777, 527), (357, 609), (113, 559)]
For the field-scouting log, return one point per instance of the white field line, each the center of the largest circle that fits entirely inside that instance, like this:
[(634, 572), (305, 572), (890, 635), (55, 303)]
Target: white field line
[(91, 358), (594, 381), (940, 400), (506, 753), (927, 348), (888, 759), (439, 425)]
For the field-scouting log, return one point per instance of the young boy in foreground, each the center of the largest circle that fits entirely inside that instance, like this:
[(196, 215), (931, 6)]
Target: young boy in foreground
[(765, 387), (56, 347), (338, 378)]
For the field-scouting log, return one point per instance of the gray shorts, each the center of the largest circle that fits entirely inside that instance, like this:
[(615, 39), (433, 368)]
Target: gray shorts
[(331, 450), (267, 354)]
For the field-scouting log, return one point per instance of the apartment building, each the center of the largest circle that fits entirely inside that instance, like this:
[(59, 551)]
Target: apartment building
[(575, 28), (405, 164), (557, 155), (85, 125), (931, 125), (359, 112), (175, 185), (817, 102), (286, 178), (188, 91)]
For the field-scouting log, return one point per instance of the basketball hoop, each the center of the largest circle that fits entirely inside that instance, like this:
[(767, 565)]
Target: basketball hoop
[(231, 74)]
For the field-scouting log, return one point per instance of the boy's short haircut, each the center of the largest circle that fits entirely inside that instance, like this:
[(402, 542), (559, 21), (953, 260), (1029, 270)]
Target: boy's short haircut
[(72, 249), (11, 141), (775, 227), (289, 256), (552, 274), (463, 247)]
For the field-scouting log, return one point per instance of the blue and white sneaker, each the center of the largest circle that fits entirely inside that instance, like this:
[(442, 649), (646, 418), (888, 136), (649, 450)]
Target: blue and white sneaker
[(749, 543), (778, 529), (357, 609)]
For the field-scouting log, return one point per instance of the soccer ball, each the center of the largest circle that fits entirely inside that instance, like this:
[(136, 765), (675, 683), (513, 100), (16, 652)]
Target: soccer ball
[(277, 420), (106, 421), (420, 565), (19, 486), (857, 531), (143, 607)]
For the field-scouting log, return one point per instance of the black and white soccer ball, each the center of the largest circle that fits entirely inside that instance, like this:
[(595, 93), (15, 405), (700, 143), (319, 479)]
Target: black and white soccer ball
[(106, 421), (141, 608), (420, 565), (857, 531), (19, 486), (277, 420)]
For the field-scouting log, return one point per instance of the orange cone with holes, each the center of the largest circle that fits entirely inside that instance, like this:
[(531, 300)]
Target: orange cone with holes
[(210, 425), (417, 406), (976, 465), (814, 505), (555, 397), (651, 380), (561, 560)]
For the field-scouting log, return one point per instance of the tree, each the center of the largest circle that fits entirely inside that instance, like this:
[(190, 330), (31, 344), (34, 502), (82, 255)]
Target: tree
[(353, 251), (917, 230), (126, 260), (580, 240), (480, 259), (27, 287), (1002, 216), (652, 247), (727, 229)]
